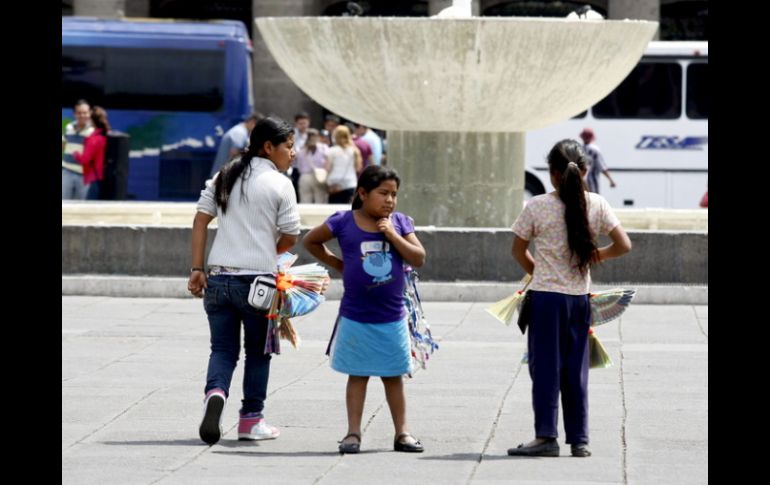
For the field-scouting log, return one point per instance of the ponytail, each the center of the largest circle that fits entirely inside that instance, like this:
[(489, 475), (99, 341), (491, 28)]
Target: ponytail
[(567, 160), (229, 174), (99, 119)]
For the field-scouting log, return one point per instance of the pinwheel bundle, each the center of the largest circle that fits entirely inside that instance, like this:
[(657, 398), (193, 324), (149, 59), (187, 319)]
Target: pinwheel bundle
[(598, 357), (609, 304), (278, 326), (605, 306), (422, 343), (299, 291), (300, 287), (504, 309)]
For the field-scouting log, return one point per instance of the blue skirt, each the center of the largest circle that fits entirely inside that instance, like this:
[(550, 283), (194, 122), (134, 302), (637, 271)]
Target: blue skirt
[(371, 349)]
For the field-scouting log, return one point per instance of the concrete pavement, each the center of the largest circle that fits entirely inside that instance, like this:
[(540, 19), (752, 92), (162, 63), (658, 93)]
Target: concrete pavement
[(133, 372)]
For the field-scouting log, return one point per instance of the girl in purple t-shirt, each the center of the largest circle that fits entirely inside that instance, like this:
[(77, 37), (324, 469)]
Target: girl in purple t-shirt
[(371, 336)]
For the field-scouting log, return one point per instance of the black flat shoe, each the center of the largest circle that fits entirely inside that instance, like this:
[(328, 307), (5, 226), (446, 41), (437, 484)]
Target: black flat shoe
[(547, 448), (415, 447), (350, 448), (581, 450)]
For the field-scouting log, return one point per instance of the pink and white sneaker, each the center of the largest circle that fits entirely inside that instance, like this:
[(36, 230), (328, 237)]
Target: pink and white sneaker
[(255, 429), (211, 425)]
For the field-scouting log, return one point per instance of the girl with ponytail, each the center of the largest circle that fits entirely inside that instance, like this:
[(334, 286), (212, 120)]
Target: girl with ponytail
[(256, 208), (564, 225)]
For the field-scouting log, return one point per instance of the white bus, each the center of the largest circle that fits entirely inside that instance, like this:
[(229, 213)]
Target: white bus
[(652, 130)]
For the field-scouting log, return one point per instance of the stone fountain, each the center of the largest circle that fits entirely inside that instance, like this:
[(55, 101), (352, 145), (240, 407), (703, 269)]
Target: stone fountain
[(456, 95)]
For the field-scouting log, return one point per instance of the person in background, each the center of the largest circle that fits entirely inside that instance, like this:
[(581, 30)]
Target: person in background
[(92, 157), (301, 125), (373, 139), (365, 148), (596, 163), (343, 162), (75, 133), (310, 157), (330, 123), (325, 137), (234, 141)]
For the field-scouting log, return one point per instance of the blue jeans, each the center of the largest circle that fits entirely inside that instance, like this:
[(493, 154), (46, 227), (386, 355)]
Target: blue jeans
[(72, 186), (226, 305)]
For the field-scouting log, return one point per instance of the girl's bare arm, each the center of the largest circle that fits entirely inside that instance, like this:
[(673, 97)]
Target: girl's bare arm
[(314, 243), (522, 255)]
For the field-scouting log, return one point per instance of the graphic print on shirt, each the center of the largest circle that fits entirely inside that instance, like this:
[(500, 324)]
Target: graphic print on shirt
[(377, 261)]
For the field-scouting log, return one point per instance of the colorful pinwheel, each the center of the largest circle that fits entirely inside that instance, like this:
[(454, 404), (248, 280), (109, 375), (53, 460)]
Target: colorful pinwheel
[(299, 292), (422, 343), (598, 358), (605, 306), (609, 304), (504, 309)]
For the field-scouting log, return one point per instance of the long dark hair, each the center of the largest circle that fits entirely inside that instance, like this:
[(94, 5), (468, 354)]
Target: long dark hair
[(567, 161), (371, 178), (99, 119), (272, 129)]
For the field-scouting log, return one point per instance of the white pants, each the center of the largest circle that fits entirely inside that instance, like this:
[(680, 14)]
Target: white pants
[(310, 191)]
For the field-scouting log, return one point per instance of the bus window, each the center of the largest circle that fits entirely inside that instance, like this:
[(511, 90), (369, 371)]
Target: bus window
[(652, 130), (147, 79), (651, 91), (697, 91)]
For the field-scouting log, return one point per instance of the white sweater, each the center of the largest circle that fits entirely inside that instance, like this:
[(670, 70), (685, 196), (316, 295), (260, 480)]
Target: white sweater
[(252, 225)]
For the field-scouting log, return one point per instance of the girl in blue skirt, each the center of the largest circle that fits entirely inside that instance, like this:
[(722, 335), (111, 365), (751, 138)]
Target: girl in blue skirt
[(371, 336)]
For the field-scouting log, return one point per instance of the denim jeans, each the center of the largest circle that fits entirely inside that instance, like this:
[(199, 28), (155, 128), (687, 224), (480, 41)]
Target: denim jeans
[(226, 305), (72, 186)]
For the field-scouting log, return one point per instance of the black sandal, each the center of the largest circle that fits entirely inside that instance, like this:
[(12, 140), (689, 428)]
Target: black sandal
[(415, 447), (350, 448)]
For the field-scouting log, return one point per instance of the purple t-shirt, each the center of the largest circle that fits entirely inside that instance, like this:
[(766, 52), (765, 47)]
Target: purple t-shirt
[(374, 271)]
